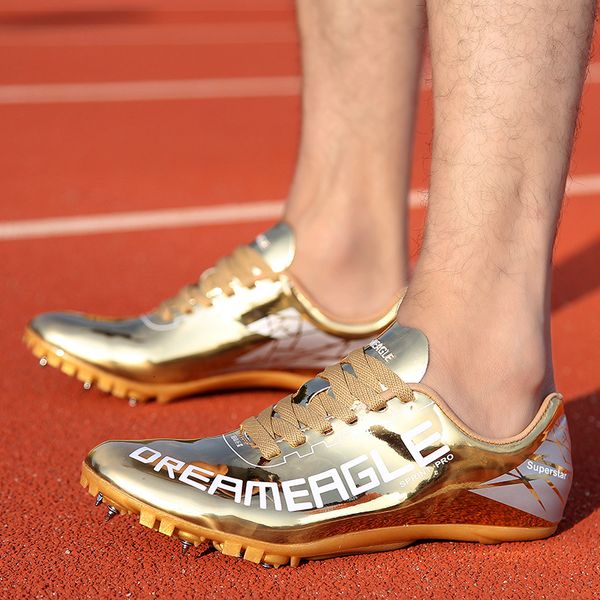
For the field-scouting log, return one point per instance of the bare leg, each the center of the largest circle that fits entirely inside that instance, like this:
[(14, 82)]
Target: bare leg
[(507, 82), (361, 65)]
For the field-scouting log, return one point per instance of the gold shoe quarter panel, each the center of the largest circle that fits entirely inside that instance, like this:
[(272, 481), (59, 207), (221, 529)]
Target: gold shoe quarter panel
[(409, 464)]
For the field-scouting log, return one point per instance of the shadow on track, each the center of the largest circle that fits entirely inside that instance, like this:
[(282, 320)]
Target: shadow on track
[(74, 18), (576, 276)]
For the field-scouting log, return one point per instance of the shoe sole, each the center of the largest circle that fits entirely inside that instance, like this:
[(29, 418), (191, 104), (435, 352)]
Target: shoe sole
[(137, 391), (277, 555)]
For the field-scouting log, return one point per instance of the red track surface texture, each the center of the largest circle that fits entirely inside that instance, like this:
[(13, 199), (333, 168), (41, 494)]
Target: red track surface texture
[(74, 159)]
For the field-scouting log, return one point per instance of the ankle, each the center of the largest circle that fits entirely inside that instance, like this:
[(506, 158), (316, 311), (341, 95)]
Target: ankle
[(340, 266), (490, 359)]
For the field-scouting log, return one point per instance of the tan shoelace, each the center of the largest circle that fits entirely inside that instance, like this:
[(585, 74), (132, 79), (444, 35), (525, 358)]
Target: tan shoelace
[(287, 420), (244, 264)]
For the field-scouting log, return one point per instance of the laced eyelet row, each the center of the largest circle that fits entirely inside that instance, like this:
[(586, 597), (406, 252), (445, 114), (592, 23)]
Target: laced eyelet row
[(363, 383)]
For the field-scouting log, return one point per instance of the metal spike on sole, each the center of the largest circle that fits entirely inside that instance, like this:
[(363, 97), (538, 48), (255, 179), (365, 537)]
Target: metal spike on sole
[(185, 546), (43, 361), (99, 498), (112, 511), (87, 385), (132, 401), (149, 518)]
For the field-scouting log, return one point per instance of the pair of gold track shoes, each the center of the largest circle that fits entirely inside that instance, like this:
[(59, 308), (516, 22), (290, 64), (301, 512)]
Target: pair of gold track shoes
[(362, 457)]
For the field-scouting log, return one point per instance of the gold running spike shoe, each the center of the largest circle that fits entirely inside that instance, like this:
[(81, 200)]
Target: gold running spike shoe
[(362, 458), (244, 323)]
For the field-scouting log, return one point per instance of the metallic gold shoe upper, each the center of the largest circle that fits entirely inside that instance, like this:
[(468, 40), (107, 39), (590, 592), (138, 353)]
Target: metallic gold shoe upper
[(362, 447), (244, 314)]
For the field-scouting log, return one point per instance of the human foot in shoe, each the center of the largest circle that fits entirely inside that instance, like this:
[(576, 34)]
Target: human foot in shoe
[(245, 323), (363, 458)]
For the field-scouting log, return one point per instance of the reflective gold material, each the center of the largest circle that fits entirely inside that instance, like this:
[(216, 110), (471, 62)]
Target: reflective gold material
[(244, 323), (407, 471)]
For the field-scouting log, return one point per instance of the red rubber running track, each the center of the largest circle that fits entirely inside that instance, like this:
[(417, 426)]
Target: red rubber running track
[(134, 107)]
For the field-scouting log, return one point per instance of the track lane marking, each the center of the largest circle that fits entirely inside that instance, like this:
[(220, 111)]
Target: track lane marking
[(221, 214), (178, 89), (142, 220)]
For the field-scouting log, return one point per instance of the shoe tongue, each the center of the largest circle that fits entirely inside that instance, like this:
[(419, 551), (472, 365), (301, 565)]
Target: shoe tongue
[(277, 246), (404, 350)]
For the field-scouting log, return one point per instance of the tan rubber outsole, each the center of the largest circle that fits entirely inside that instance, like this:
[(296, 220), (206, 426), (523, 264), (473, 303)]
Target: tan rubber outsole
[(161, 392), (277, 555)]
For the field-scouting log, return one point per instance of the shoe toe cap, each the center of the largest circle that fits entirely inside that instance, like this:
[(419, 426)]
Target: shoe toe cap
[(92, 339), (61, 329), (111, 463), (148, 473)]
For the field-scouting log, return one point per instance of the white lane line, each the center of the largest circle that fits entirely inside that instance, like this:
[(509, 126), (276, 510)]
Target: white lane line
[(183, 89), (243, 212), (593, 74), (142, 220), (127, 91), (222, 214), (583, 185)]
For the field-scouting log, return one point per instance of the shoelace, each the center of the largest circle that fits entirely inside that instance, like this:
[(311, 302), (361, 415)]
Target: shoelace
[(287, 420), (244, 264)]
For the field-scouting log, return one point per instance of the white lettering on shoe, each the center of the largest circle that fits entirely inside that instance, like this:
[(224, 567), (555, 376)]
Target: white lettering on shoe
[(171, 464), (262, 487), (192, 474), (335, 484), (415, 448), (354, 477), (386, 476), (382, 350), (544, 470), (137, 454), (227, 484), (372, 482), (290, 495)]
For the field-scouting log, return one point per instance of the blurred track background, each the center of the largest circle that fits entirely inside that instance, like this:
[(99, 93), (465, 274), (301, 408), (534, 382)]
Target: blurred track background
[(139, 142)]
